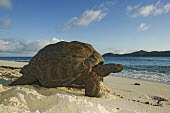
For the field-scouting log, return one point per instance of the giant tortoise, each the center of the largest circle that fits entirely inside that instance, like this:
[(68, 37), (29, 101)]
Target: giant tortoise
[(67, 64)]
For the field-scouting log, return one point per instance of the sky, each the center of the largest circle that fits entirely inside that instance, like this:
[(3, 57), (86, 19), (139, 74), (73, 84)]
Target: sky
[(117, 26)]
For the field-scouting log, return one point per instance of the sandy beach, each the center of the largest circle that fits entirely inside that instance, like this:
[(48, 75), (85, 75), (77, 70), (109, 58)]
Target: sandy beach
[(12, 63), (120, 95)]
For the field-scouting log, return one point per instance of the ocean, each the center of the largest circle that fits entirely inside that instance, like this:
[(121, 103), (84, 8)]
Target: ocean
[(145, 68), (17, 59)]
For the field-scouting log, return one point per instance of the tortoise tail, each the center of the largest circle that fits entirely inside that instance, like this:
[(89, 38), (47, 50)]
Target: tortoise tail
[(23, 80)]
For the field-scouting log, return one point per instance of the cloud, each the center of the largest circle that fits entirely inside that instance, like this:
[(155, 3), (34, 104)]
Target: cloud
[(4, 23), (114, 50), (86, 18), (24, 46), (28, 46), (143, 27), (89, 16), (130, 8), (107, 4), (5, 4), (4, 46), (167, 8), (152, 9)]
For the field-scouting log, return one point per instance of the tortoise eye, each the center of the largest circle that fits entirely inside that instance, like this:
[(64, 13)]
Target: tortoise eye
[(101, 63)]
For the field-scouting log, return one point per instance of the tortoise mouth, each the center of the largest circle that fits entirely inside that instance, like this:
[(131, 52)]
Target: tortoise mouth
[(120, 67)]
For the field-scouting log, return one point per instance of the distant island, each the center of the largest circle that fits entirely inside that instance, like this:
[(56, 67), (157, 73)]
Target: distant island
[(140, 53)]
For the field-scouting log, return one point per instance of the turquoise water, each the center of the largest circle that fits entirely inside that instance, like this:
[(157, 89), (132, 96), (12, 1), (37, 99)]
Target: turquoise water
[(146, 68), (18, 59)]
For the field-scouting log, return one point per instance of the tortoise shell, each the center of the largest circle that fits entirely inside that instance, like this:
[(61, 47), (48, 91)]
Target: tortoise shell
[(62, 62)]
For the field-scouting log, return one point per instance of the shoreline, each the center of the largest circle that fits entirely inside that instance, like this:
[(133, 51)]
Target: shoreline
[(141, 79), (12, 63)]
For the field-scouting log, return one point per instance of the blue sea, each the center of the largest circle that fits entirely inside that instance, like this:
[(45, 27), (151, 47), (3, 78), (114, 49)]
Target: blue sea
[(145, 68), (17, 59)]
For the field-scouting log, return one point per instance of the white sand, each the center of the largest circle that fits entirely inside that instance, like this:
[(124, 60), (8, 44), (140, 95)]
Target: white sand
[(124, 97), (12, 63)]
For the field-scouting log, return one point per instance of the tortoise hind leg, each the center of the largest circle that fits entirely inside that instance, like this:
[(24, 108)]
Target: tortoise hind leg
[(92, 85), (24, 80)]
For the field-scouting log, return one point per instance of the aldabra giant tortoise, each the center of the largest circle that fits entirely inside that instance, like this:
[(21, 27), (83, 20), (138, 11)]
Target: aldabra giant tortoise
[(67, 64)]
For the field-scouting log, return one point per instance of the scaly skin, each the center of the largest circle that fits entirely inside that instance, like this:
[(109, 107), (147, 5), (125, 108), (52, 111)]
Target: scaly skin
[(106, 69), (92, 85)]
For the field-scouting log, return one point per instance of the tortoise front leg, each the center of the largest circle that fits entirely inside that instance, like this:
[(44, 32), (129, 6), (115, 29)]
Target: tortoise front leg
[(92, 85)]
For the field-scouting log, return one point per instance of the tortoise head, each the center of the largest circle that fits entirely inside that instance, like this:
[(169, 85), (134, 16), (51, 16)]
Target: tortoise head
[(114, 68), (106, 69)]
